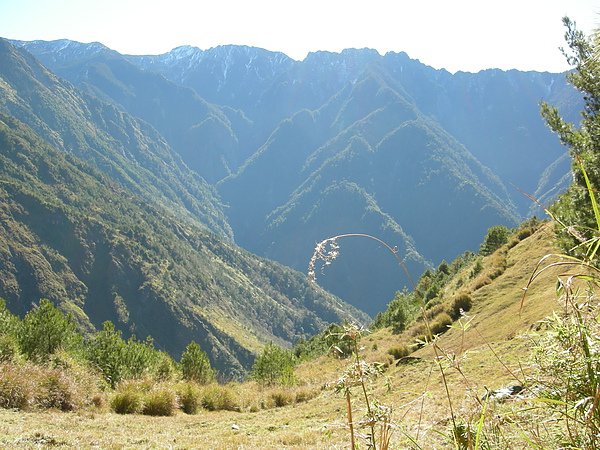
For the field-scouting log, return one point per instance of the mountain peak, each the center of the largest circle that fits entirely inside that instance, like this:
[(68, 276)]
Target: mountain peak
[(63, 46), (182, 52)]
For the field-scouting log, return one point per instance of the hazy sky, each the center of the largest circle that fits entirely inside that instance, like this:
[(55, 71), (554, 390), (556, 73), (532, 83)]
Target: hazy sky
[(455, 34)]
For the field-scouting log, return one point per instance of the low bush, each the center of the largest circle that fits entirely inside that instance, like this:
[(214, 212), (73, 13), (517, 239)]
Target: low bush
[(128, 401), (399, 351), (160, 402), (304, 395), (98, 400), (435, 302), (460, 304), (56, 389), (30, 385), (481, 281), (441, 323), (434, 312), (418, 329), (513, 242), (281, 397), (216, 397), (477, 268), (189, 398), (15, 390)]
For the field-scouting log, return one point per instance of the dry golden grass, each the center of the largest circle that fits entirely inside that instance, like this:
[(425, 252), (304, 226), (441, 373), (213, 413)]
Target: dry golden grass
[(492, 352)]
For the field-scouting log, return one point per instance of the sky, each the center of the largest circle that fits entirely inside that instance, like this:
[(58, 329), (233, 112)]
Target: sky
[(467, 35)]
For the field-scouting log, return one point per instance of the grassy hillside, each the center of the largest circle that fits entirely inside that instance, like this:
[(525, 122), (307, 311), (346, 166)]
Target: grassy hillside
[(495, 350)]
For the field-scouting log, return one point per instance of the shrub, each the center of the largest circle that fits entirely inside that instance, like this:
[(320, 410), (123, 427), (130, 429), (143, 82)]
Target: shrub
[(281, 398), (481, 281), (105, 351), (195, 365), (189, 398), (513, 242), (98, 400), (139, 357), (15, 390), (274, 366), (128, 401), (399, 351), (433, 303), (9, 323), (441, 323), (26, 385), (461, 303), (165, 367), (524, 233), (434, 312), (160, 402), (417, 329), (496, 237), (477, 267), (304, 395), (56, 389), (9, 348), (44, 330), (76, 376), (496, 272), (216, 398)]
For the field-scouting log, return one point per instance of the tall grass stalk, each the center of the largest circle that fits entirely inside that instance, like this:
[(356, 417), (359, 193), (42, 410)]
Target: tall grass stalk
[(569, 359), (327, 251)]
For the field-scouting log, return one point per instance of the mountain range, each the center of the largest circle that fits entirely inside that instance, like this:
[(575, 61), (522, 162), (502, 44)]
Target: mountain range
[(169, 173)]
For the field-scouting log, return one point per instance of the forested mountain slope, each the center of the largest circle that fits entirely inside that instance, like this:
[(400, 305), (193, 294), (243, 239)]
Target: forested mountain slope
[(350, 142), (130, 234)]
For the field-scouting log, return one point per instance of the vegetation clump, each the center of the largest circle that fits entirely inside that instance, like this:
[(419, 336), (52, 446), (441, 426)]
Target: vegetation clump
[(495, 238), (216, 397), (44, 330), (127, 401), (460, 304), (189, 397), (399, 351), (195, 365), (274, 366), (160, 402), (45, 363)]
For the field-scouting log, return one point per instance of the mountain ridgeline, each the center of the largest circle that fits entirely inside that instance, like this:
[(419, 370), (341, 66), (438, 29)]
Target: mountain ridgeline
[(152, 171)]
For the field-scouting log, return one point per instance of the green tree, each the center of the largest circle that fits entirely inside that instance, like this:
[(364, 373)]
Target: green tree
[(9, 327), (46, 329), (140, 357), (495, 238), (105, 350), (275, 365), (398, 313), (9, 323), (118, 359), (195, 365), (572, 208)]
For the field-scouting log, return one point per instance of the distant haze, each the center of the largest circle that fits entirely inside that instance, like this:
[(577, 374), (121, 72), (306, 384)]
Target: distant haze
[(467, 35)]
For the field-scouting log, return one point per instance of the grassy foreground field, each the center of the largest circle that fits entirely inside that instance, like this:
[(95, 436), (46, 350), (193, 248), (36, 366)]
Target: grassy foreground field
[(494, 350)]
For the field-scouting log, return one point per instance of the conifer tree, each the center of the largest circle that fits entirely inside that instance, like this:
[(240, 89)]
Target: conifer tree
[(583, 141)]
